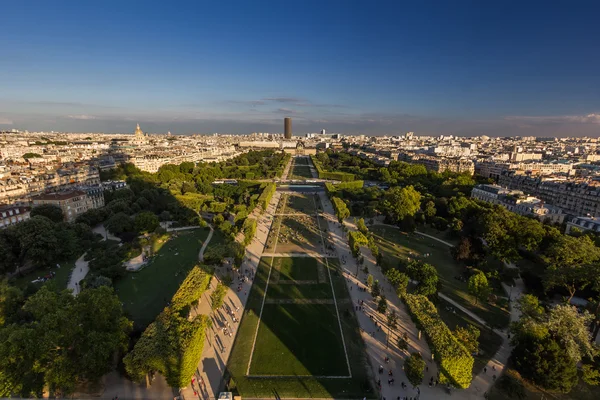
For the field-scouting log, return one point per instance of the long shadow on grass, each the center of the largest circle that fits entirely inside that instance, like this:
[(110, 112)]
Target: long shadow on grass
[(290, 331)]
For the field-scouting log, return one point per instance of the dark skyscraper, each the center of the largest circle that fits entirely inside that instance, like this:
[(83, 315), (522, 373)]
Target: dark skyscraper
[(287, 126)]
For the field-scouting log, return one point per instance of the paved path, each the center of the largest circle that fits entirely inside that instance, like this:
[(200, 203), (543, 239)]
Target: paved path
[(484, 380), (81, 268), (217, 346), (307, 254), (210, 235)]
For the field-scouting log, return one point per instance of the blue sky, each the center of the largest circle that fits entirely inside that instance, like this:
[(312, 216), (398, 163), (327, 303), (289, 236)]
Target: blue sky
[(437, 67)]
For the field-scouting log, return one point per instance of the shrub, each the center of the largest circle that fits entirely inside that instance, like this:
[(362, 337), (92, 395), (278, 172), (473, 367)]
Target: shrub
[(266, 195), (249, 230), (356, 239), (456, 364), (414, 367), (218, 295)]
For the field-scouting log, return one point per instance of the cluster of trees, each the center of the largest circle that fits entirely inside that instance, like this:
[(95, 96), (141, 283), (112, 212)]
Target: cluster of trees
[(40, 242), (549, 343), (327, 171), (48, 340), (249, 230), (426, 275), (173, 343)]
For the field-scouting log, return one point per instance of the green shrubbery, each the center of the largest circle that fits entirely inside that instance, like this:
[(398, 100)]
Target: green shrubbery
[(249, 230), (172, 345), (456, 364), (336, 176), (356, 239), (266, 195), (341, 210)]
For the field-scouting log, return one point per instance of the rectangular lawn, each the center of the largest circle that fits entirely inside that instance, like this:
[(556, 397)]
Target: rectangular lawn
[(299, 339)]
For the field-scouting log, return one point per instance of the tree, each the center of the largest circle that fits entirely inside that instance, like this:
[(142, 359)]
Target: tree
[(400, 203), (403, 342), (539, 358), (370, 280), (426, 275), (430, 210), (145, 222), (572, 263), (569, 328), (479, 286), (398, 280), (218, 295), (375, 289), (392, 323), (414, 367), (50, 211), (361, 226), (382, 305), (469, 337), (119, 223), (59, 344), (530, 308)]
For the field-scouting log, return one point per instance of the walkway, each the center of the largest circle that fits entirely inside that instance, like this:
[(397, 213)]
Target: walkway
[(485, 380), (217, 345), (81, 268), (210, 235)]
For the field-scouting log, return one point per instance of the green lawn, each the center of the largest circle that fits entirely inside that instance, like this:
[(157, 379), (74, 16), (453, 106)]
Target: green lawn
[(396, 245), (145, 293), (301, 172), (300, 203), (297, 269), (60, 280), (299, 339), (295, 338)]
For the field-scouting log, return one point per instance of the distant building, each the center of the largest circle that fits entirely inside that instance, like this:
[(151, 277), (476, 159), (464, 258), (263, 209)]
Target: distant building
[(322, 131), (72, 203), (518, 202), (584, 224), (287, 127), (11, 215)]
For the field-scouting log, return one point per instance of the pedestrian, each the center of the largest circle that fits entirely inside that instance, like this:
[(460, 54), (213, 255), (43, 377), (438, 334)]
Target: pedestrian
[(494, 367), (485, 370)]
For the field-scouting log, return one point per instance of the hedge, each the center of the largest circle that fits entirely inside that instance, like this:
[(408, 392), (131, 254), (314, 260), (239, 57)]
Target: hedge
[(249, 230), (266, 195), (455, 362), (336, 176), (341, 209), (172, 344), (282, 164), (332, 189), (192, 287), (356, 239)]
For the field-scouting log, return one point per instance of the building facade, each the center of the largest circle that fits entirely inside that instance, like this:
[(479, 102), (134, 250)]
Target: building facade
[(11, 215), (72, 203)]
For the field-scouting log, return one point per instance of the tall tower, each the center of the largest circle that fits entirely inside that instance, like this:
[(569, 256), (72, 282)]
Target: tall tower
[(287, 127)]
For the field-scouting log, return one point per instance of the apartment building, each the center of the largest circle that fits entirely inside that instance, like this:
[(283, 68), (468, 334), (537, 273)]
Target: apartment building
[(576, 197), (518, 202), (13, 214), (494, 169), (441, 164), (73, 203), (584, 224)]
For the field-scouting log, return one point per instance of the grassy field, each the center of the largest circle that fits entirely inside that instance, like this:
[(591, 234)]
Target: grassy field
[(295, 340), (397, 245), (294, 234), (60, 280), (299, 203), (297, 269), (300, 172), (145, 293)]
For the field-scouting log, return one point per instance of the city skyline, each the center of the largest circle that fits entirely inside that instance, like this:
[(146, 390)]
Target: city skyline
[(503, 70)]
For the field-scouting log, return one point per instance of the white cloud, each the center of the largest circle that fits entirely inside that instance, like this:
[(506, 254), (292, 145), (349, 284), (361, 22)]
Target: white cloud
[(5, 121), (82, 117), (593, 118)]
